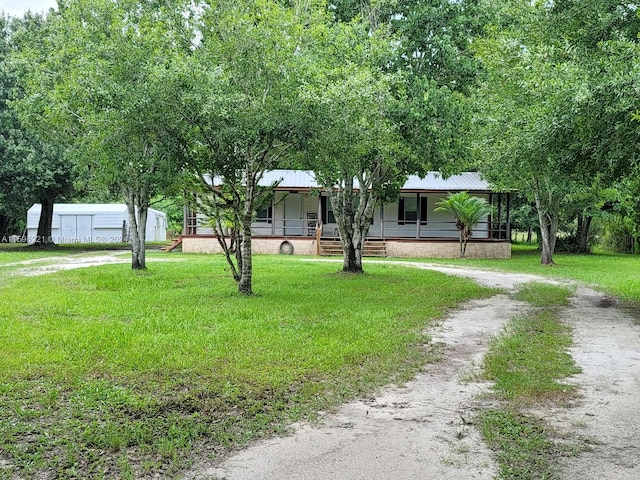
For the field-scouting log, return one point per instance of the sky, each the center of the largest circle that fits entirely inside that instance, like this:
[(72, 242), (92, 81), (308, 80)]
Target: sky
[(16, 8)]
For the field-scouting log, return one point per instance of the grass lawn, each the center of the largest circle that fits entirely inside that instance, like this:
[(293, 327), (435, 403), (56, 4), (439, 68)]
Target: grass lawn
[(107, 373), (617, 274)]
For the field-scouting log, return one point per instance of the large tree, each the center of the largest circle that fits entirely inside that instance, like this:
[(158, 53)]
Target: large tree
[(32, 169), (240, 106), (391, 101), (553, 114), (96, 80), (357, 153)]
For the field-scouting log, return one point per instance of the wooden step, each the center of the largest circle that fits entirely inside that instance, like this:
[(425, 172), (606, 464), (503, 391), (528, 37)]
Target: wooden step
[(371, 248), (174, 244)]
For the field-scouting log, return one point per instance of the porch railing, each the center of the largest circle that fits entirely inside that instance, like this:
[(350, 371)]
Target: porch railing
[(297, 227)]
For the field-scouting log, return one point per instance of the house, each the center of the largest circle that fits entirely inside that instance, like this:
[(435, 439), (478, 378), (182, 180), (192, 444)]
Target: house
[(94, 223), (300, 220)]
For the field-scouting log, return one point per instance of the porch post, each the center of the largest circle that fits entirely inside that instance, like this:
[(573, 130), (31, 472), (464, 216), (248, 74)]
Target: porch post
[(320, 217), (418, 215), (273, 214), (508, 217), (499, 216), (382, 221), (185, 220)]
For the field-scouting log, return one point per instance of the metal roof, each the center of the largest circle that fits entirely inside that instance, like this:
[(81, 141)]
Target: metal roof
[(290, 179), (434, 181), (86, 208), (304, 179)]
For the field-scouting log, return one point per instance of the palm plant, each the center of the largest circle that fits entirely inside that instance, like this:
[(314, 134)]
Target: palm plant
[(467, 210)]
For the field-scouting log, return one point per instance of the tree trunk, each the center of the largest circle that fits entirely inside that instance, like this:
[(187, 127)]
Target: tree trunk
[(353, 212), (352, 261), (246, 268), (44, 237), (236, 246), (465, 241), (138, 211), (228, 249), (548, 218), (584, 224), (4, 225)]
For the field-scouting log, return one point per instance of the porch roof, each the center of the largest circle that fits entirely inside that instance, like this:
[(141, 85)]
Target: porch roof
[(305, 180)]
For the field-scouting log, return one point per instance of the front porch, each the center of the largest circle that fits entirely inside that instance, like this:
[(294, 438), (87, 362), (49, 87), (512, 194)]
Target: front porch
[(300, 220), (399, 247)]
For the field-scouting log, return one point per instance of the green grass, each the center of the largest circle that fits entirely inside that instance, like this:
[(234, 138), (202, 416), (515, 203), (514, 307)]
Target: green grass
[(107, 373), (529, 358), (524, 451), (528, 362), (617, 274), (545, 295)]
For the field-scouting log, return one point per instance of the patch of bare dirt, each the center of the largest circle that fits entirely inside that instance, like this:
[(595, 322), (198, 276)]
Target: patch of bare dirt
[(607, 413), (43, 266)]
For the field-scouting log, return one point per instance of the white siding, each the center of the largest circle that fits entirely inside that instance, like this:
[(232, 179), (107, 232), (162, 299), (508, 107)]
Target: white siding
[(86, 223)]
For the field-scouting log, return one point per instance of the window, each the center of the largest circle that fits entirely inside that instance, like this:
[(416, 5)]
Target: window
[(408, 210), (327, 211), (423, 210), (265, 215)]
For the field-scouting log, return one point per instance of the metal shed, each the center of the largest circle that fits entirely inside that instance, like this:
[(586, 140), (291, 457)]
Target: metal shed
[(94, 223)]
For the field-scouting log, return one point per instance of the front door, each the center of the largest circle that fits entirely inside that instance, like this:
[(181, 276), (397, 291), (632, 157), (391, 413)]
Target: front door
[(293, 222)]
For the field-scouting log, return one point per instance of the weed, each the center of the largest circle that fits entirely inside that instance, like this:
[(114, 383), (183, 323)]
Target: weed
[(522, 445), (529, 358)]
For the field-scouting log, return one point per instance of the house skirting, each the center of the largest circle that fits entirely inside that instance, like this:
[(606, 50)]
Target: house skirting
[(403, 248)]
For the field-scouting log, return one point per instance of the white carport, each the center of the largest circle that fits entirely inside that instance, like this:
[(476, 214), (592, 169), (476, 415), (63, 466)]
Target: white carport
[(94, 223)]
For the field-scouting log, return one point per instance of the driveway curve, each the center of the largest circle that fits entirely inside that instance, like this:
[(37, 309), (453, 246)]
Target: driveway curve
[(422, 429)]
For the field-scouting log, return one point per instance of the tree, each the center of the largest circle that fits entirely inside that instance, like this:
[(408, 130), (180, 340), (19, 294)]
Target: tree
[(357, 152), (358, 155), (96, 81), (467, 210), (389, 97), (32, 169), (547, 105), (240, 108)]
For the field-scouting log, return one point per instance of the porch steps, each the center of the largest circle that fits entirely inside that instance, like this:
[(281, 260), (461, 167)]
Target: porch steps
[(173, 245), (372, 248)]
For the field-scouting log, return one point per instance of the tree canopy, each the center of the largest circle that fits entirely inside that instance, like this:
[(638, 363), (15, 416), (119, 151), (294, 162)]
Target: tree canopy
[(139, 96), (99, 87), (551, 119), (33, 169)]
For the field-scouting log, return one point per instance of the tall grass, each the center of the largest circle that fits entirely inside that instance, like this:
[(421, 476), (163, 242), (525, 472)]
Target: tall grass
[(528, 363), (107, 373)]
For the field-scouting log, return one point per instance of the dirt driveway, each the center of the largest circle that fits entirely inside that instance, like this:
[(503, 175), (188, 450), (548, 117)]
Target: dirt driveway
[(422, 430)]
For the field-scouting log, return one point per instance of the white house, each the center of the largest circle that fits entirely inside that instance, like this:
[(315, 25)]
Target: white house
[(300, 220), (94, 223)]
